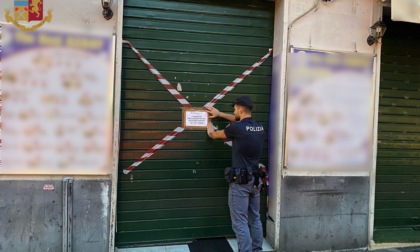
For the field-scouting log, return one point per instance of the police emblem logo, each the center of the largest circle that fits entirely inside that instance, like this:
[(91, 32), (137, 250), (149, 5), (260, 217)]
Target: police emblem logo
[(28, 11)]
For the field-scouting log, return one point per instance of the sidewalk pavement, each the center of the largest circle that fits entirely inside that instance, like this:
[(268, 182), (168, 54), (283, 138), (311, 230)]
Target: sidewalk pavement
[(390, 247), (404, 249), (395, 247)]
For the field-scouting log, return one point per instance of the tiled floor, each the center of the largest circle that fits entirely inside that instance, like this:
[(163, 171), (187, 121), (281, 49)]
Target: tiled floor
[(184, 248)]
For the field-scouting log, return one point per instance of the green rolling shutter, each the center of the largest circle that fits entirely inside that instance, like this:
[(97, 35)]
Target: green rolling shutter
[(397, 200), (179, 194)]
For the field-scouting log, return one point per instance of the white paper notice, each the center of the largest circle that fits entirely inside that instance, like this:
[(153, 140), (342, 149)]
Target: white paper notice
[(196, 118)]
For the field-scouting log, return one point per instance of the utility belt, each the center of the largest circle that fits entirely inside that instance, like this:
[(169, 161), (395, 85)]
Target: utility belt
[(238, 175), (243, 176)]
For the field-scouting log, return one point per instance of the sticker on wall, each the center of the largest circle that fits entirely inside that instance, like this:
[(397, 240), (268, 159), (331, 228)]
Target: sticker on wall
[(48, 187)]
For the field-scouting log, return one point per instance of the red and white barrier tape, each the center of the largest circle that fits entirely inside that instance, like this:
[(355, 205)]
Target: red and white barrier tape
[(156, 147), (238, 80), (183, 101), (265, 180), (160, 77)]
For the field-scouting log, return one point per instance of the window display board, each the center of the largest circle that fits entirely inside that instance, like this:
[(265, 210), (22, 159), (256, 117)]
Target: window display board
[(57, 102), (330, 99)]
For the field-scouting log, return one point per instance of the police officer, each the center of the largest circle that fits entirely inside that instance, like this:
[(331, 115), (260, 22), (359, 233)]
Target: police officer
[(244, 199)]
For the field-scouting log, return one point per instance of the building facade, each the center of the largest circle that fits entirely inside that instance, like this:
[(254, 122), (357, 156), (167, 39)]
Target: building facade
[(341, 117)]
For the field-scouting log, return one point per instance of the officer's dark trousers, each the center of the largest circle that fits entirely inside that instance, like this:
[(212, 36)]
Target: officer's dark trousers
[(244, 205)]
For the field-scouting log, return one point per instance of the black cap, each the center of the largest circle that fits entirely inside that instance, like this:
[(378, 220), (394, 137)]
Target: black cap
[(243, 101)]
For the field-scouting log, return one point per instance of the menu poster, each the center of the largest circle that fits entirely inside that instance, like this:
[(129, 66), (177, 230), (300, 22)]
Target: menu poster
[(329, 123), (57, 102)]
